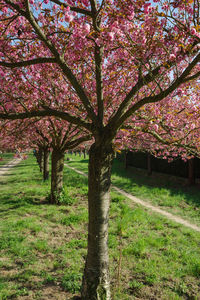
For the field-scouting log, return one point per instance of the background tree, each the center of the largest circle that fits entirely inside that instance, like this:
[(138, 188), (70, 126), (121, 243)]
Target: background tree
[(174, 124), (60, 136), (44, 135)]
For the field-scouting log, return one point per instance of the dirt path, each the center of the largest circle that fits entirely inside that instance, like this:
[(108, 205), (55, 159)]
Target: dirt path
[(162, 212), (5, 168)]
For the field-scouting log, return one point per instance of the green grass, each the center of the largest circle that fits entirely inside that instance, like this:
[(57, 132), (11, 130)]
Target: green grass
[(5, 158), (170, 193), (35, 257), (43, 247)]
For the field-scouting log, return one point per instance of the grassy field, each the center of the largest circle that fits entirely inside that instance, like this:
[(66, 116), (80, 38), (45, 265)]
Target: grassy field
[(43, 247), (169, 193), (5, 158)]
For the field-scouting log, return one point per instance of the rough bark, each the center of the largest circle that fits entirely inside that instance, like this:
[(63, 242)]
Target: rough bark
[(84, 154), (96, 282), (46, 164), (57, 165)]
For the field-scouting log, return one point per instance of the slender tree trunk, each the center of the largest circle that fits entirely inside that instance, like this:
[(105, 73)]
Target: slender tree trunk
[(96, 282), (39, 157), (57, 165), (46, 164), (84, 153)]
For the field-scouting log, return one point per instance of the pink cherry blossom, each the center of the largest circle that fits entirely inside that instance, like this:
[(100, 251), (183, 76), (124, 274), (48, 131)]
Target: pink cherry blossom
[(86, 28), (172, 57), (111, 36), (69, 17)]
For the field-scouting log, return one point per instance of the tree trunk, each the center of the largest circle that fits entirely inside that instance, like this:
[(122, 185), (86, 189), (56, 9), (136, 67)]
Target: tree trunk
[(84, 154), (46, 164), (96, 282), (39, 157), (57, 165)]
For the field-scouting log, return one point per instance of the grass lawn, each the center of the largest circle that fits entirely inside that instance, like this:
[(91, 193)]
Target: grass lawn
[(169, 193), (5, 158), (43, 247)]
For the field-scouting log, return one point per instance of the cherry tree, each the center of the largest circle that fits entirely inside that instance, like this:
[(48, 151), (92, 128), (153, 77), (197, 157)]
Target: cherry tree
[(44, 135), (174, 123), (114, 57), (11, 136), (42, 153), (60, 137)]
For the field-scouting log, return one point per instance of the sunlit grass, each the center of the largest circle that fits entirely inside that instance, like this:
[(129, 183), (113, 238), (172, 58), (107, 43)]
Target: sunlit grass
[(5, 158), (43, 247), (161, 190)]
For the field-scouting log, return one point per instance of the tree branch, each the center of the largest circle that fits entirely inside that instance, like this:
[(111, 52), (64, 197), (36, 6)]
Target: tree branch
[(99, 82), (194, 76), (189, 148), (73, 8), (16, 7), (39, 60), (77, 142), (61, 62), (45, 113), (68, 117), (42, 135), (153, 99), (93, 4), (141, 82)]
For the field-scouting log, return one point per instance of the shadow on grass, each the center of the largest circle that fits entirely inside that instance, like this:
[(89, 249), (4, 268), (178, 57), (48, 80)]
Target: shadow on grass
[(7, 174), (18, 174), (24, 166), (25, 198), (152, 185), (21, 200), (74, 180), (175, 186), (15, 181), (23, 279), (4, 167)]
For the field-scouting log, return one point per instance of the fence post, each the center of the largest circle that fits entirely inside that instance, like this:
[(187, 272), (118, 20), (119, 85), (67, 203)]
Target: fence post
[(125, 159), (191, 174), (149, 166)]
